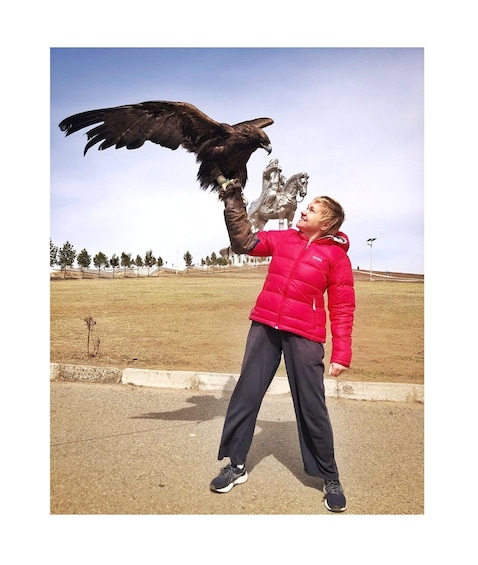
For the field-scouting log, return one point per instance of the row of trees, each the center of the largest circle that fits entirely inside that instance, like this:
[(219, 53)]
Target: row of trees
[(65, 257)]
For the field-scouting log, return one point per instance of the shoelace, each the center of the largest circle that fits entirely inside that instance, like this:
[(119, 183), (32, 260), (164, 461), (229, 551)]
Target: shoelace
[(228, 471), (334, 487)]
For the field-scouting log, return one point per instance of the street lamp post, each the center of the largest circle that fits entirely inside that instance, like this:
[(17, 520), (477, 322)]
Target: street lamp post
[(370, 242)]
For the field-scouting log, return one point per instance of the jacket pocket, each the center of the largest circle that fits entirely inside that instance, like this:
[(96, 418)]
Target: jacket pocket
[(314, 312)]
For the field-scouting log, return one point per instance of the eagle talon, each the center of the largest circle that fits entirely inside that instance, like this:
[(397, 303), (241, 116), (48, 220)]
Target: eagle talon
[(225, 192), (224, 182)]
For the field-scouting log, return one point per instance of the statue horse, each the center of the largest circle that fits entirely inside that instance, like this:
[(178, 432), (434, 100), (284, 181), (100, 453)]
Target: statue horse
[(280, 205)]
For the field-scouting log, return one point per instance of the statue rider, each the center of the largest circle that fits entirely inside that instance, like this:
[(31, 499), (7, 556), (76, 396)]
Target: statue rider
[(273, 182)]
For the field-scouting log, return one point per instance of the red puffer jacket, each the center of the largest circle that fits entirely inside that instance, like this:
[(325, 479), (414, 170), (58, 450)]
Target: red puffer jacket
[(300, 273)]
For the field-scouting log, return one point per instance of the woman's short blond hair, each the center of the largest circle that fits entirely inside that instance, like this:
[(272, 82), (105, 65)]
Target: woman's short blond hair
[(333, 213)]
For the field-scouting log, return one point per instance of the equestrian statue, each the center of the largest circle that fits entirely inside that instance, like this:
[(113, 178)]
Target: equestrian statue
[(278, 200)]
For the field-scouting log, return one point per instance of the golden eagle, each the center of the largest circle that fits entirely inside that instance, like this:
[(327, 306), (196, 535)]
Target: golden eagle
[(221, 149)]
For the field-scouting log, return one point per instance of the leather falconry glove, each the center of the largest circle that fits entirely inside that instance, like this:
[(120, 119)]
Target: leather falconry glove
[(238, 224)]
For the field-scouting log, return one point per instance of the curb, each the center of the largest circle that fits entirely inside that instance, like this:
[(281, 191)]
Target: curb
[(190, 380)]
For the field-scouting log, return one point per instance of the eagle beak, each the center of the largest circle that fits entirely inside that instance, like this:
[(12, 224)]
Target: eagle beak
[(268, 148)]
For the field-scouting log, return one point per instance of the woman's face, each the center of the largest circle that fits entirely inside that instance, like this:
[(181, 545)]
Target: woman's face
[(311, 222)]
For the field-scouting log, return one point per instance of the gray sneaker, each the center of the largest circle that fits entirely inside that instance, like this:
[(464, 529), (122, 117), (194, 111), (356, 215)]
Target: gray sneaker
[(334, 498), (228, 477)]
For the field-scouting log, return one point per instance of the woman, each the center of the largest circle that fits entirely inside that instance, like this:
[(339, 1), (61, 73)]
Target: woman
[(289, 318)]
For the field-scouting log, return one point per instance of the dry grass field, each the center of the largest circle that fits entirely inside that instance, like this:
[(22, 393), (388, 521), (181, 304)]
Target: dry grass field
[(199, 322)]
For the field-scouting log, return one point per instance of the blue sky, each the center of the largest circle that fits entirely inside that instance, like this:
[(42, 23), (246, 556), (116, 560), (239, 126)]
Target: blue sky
[(352, 118)]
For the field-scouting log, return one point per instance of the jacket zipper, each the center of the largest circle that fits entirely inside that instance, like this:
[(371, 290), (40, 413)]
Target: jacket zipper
[(279, 313)]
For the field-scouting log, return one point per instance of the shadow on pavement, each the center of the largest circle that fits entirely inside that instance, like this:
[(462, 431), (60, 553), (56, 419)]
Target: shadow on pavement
[(279, 439)]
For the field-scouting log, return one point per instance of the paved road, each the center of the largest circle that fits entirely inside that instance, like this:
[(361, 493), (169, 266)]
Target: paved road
[(123, 449)]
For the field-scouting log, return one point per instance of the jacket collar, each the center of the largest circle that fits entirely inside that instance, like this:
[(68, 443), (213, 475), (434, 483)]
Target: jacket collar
[(339, 239)]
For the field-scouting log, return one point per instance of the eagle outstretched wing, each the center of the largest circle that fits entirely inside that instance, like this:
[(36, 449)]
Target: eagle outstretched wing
[(221, 149)]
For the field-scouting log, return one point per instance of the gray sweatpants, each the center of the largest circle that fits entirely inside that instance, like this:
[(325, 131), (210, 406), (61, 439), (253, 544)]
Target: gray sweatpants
[(305, 370)]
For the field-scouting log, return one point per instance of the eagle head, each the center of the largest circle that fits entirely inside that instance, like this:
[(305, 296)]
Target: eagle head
[(265, 142)]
